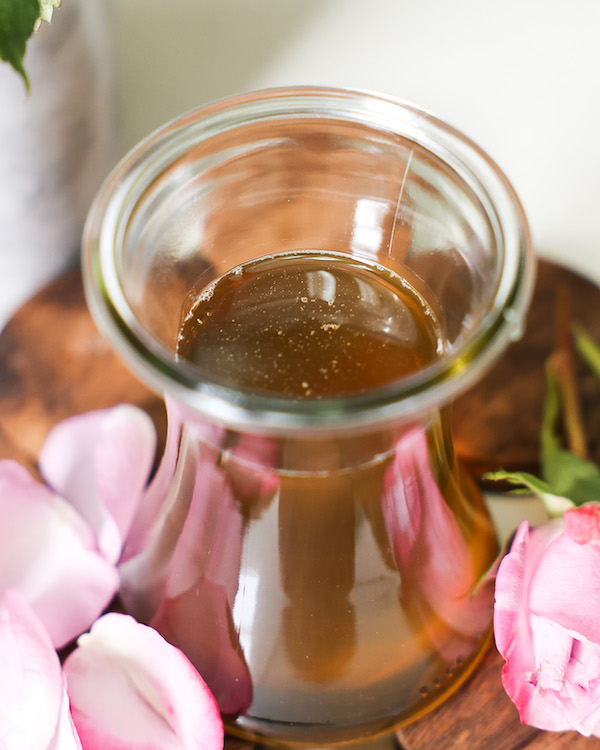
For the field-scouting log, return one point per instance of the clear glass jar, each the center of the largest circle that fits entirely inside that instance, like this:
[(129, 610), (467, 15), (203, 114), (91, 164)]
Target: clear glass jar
[(315, 559)]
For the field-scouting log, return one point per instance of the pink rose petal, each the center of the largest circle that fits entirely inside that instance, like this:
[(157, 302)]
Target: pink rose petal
[(537, 706), (546, 593), (149, 509), (197, 521), (66, 737), (200, 623), (552, 647), (565, 586), (210, 542), (584, 666), (251, 470), (509, 591), (583, 524), (49, 553), (512, 581), (31, 683), (100, 462), (131, 690)]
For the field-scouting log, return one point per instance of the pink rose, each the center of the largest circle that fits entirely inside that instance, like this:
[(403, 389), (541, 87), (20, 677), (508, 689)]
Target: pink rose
[(547, 622)]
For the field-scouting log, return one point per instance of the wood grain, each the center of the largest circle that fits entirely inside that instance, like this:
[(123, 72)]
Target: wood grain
[(510, 397), (53, 364), (480, 716)]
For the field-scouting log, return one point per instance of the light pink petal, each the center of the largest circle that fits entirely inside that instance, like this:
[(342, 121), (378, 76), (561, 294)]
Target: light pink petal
[(210, 543), (545, 709), (49, 554), (584, 666), (196, 522), (66, 737), (131, 690), (539, 708), (571, 708), (565, 586), (31, 683), (513, 578), (100, 462), (199, 622), (552, 646), (583, 524), (509, 591), (144, 575), (582, 705), (156, 495)]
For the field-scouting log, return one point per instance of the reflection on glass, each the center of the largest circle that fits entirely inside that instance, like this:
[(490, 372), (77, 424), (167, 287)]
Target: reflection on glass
[(298, 592)]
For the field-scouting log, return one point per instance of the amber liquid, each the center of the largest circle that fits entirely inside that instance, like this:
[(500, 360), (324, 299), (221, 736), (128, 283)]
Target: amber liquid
[(352, 612)]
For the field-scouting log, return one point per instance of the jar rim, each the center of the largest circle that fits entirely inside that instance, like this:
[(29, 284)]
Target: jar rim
[(404, 399)]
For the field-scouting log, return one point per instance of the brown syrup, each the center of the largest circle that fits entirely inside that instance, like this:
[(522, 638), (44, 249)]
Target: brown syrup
[(310, 325), (352, 610)]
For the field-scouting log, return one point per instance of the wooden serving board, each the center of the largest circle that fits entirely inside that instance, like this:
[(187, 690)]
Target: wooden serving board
[(53, 364), (497, 422)]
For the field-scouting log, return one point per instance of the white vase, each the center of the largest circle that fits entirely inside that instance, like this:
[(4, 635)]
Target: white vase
[(56, 145)]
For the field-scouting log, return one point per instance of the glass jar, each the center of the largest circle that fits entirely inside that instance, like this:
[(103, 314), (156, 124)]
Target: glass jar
[(314, 558)]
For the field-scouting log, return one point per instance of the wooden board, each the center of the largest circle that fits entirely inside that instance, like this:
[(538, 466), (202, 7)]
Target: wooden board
[(53, 364), (480, 716), (510, 397)]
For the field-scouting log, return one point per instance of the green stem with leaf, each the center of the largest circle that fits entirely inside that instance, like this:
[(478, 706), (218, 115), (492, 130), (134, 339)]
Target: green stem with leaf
[(568, 477), (18, 20)]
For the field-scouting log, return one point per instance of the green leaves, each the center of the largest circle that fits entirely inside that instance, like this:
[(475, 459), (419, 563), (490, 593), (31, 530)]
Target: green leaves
[(588, 349), (568, 478), (18, 20), (566, 473), (46, 9), (555, 504)]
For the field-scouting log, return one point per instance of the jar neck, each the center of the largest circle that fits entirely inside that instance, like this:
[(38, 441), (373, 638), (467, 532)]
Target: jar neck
[(314, 453)]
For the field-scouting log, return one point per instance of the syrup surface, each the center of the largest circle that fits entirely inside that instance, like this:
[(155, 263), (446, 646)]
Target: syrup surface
[(310, 325)]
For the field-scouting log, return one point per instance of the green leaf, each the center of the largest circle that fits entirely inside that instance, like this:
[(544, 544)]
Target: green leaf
[(46, 9), (575, 478), (565, 474), (17, 19), (588, 349), (568, 479), (555, 504), (549, 442)]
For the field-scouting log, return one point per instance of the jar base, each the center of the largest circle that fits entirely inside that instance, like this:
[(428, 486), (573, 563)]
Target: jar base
[(375, 731)]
